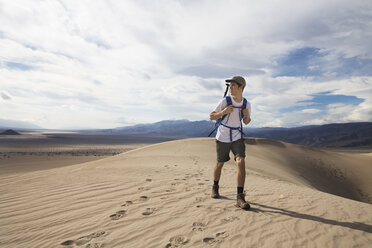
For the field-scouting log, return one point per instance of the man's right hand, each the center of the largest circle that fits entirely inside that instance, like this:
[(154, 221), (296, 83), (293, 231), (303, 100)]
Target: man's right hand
[(214, 115), (228, 110)]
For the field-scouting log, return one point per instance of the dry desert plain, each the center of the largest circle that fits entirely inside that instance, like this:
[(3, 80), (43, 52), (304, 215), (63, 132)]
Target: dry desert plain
[(69, 190)]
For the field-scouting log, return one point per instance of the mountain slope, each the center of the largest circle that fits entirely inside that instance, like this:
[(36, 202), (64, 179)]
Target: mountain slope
[(330, 135)]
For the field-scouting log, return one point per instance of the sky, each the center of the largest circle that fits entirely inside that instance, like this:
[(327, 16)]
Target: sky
[(70, 64)]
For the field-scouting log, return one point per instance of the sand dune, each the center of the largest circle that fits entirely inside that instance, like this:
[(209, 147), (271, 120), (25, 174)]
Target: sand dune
[(159, 196), (347, 175)]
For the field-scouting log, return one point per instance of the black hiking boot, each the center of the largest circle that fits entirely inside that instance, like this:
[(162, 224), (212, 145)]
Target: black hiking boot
[(215, 193), (241, 203)]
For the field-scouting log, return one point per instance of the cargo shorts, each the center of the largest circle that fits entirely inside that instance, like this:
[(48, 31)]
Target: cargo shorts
[(223, 150)]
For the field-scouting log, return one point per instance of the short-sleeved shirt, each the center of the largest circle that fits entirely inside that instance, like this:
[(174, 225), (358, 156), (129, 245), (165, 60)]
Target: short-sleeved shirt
[(223, 133)]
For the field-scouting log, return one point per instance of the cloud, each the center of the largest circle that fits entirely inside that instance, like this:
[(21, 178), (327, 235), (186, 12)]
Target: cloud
[(169, 59), (5, 96), (285, 101), (310, 111)]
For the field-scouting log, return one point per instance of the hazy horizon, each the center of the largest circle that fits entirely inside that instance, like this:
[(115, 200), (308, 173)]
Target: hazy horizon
[(104, 64), (27, 126)]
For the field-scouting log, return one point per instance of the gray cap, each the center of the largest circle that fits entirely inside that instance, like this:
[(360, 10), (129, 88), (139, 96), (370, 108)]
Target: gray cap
[(237, 79)]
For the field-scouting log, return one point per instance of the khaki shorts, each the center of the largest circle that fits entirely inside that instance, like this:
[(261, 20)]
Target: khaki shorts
[(223, 150)]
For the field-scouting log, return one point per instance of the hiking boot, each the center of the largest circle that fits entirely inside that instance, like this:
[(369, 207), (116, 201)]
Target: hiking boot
[(215, 193), (241, 203)]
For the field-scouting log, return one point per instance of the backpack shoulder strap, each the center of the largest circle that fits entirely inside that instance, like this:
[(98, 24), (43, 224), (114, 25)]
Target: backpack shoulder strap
[(244, 103), (218, 122), (228, 100), (243, 107)]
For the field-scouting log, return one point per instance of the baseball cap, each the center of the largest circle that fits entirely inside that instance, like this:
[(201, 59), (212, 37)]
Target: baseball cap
[(237, 79)]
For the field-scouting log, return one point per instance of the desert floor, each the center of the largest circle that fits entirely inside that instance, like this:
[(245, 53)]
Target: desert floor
[(141, 195)]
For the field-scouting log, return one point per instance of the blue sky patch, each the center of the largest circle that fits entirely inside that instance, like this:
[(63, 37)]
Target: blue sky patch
[(321, 100), (311, 62), (18, 66), (300, 63), (355, 66)]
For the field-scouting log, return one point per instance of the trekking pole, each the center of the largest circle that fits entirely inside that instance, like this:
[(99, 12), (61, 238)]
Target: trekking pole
[(227, 88)]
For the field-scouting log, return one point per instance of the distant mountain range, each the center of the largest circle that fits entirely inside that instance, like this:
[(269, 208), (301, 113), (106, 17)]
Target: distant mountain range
[(9, 132), (176, 128), (330, 135), (11, 124)]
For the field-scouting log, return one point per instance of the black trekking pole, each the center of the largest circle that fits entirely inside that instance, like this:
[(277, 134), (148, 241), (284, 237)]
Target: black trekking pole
[(227, 88)]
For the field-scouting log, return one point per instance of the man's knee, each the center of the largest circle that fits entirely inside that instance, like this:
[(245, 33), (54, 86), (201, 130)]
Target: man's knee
[(220, 164), (240, 161)]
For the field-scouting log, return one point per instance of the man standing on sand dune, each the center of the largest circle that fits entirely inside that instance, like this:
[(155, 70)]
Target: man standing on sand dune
[(232, 110)]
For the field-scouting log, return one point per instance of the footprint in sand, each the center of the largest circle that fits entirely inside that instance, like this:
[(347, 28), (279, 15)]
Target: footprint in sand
[(143, 188), (149, 211), (219, 238), (229, 219), (222, 235), (209, 240), (198, 226), (178, 182), (177, 241), (118, 215), (95, 245), (84, 240), (148, 180), (127, 203), (143, 198)]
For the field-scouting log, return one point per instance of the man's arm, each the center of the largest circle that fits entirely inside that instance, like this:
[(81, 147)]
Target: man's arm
[(246, 118), (217, 115)]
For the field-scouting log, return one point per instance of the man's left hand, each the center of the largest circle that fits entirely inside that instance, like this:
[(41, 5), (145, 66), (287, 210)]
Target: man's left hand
[(246, 118)]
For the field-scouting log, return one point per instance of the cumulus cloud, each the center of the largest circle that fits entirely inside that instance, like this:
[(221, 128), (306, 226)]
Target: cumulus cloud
[(157, 60)]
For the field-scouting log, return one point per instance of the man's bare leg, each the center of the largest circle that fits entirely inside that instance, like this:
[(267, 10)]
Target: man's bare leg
[(240, 178), (216, 178), (241, 203), (217, 171)]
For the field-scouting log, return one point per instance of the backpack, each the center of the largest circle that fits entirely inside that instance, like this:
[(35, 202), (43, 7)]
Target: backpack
[(219, 121)]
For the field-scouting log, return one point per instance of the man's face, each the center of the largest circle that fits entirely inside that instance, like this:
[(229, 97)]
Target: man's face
[(235, 90)]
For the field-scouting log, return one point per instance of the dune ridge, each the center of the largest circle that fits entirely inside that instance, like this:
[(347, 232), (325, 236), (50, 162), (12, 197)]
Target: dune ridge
[(159, 196)]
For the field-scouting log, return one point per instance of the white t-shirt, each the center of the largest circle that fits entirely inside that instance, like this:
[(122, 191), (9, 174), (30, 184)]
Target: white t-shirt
[(223, 133)]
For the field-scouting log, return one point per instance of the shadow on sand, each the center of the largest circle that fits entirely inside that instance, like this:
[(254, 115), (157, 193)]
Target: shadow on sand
[(273, 210), (225, 198)]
